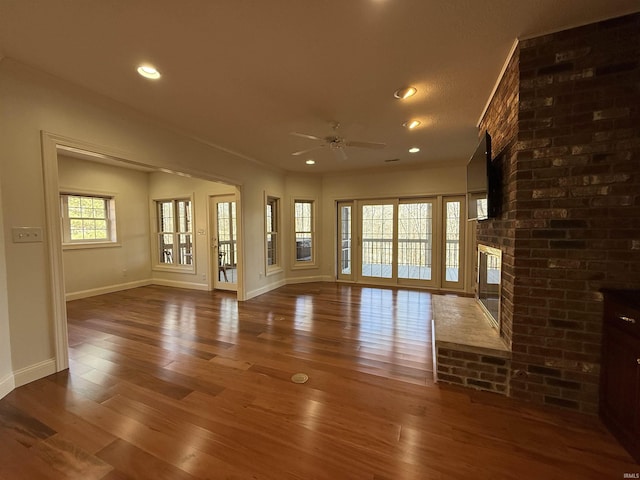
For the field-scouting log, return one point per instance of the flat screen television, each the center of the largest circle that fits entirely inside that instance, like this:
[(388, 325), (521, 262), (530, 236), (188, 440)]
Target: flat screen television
[(483, 183)]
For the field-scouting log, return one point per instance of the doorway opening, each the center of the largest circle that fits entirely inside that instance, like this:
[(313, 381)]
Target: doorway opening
[(223, 230), (123, 266)]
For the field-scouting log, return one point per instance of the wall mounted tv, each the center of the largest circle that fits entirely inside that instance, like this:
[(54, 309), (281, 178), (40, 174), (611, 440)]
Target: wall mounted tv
[(483, 183)]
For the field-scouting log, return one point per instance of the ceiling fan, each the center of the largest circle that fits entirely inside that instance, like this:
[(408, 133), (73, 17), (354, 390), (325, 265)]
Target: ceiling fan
[(335, 143)]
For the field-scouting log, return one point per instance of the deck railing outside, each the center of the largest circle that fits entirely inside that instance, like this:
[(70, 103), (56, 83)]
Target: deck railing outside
[(411, 253)]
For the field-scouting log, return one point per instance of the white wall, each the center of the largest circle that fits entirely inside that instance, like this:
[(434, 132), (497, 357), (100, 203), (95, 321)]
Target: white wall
[(6, 370), (304, 187), (96, 270), (101, 269), (167, 186), (382, 183), (33, 102), (407, 182)]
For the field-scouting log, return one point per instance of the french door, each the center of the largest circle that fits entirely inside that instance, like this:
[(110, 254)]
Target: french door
[(377, 240), (415, 242), (224, 242)]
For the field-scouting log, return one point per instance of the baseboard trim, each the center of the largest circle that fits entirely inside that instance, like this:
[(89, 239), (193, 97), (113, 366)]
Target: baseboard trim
[(108, 289), (177, 284), (265, 289), (310, 279), (7, 384), (34, 372)]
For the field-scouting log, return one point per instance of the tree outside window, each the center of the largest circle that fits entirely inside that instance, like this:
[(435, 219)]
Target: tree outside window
[(87, 219)]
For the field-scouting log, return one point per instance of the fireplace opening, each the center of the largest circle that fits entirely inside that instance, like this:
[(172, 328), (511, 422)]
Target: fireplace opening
[(488, 285)]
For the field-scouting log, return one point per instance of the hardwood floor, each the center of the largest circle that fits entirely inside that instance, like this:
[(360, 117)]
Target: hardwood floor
[(177, 384)]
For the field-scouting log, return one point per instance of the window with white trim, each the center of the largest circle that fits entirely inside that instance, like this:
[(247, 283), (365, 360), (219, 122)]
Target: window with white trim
[(175, 232), (303, 221), (271, 232), (87, 219)]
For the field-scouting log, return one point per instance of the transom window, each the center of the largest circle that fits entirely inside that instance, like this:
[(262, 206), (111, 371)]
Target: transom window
[(175, 232), (87, 218)]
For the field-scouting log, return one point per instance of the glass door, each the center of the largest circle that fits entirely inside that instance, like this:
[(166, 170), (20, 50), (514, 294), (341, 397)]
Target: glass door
[(345, 241), (378, 240), (453, 257), (224, 242), (415, 241)]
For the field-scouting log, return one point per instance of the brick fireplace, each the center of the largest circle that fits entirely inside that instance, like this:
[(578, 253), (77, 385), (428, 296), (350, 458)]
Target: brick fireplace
[(566, 118)]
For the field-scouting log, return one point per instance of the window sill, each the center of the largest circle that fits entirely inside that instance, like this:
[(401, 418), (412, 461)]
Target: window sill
[(83, 246)]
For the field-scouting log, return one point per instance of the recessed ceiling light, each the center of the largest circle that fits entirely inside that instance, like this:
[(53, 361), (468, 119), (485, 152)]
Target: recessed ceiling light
[(411, 124), (147, 71), (310, 162), (405, 92), (414, 150)]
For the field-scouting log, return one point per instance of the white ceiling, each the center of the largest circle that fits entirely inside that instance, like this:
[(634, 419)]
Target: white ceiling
[(243, 74)]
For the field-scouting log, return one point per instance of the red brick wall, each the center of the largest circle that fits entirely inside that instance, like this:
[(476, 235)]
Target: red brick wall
[(501, 121), (572, 218)]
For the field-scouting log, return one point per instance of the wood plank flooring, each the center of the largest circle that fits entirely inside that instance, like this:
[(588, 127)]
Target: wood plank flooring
[(177, 384)]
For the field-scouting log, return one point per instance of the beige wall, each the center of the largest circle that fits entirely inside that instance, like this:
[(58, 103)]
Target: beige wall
[(164, 186), (6, 370), (33, 102), (133, 262), (439, 180), (305, 187), (379, 184), (98, 270), (383, 183)]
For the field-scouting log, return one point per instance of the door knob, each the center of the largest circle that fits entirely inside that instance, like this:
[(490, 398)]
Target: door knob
[(638, 360)]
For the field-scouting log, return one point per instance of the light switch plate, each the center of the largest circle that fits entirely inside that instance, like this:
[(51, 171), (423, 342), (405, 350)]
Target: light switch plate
[(26, 234)]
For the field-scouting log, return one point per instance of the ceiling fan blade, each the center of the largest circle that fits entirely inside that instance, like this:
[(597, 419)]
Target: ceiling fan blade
[(365, 144), (302, 152), (304, 135)]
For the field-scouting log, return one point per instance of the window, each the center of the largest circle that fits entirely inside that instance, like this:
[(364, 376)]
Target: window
[(304, 230), (453, 241), (415, 239), (175, 235), (271, 232), (87, 219), (403, 241), (377, 240), (345, 242)]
